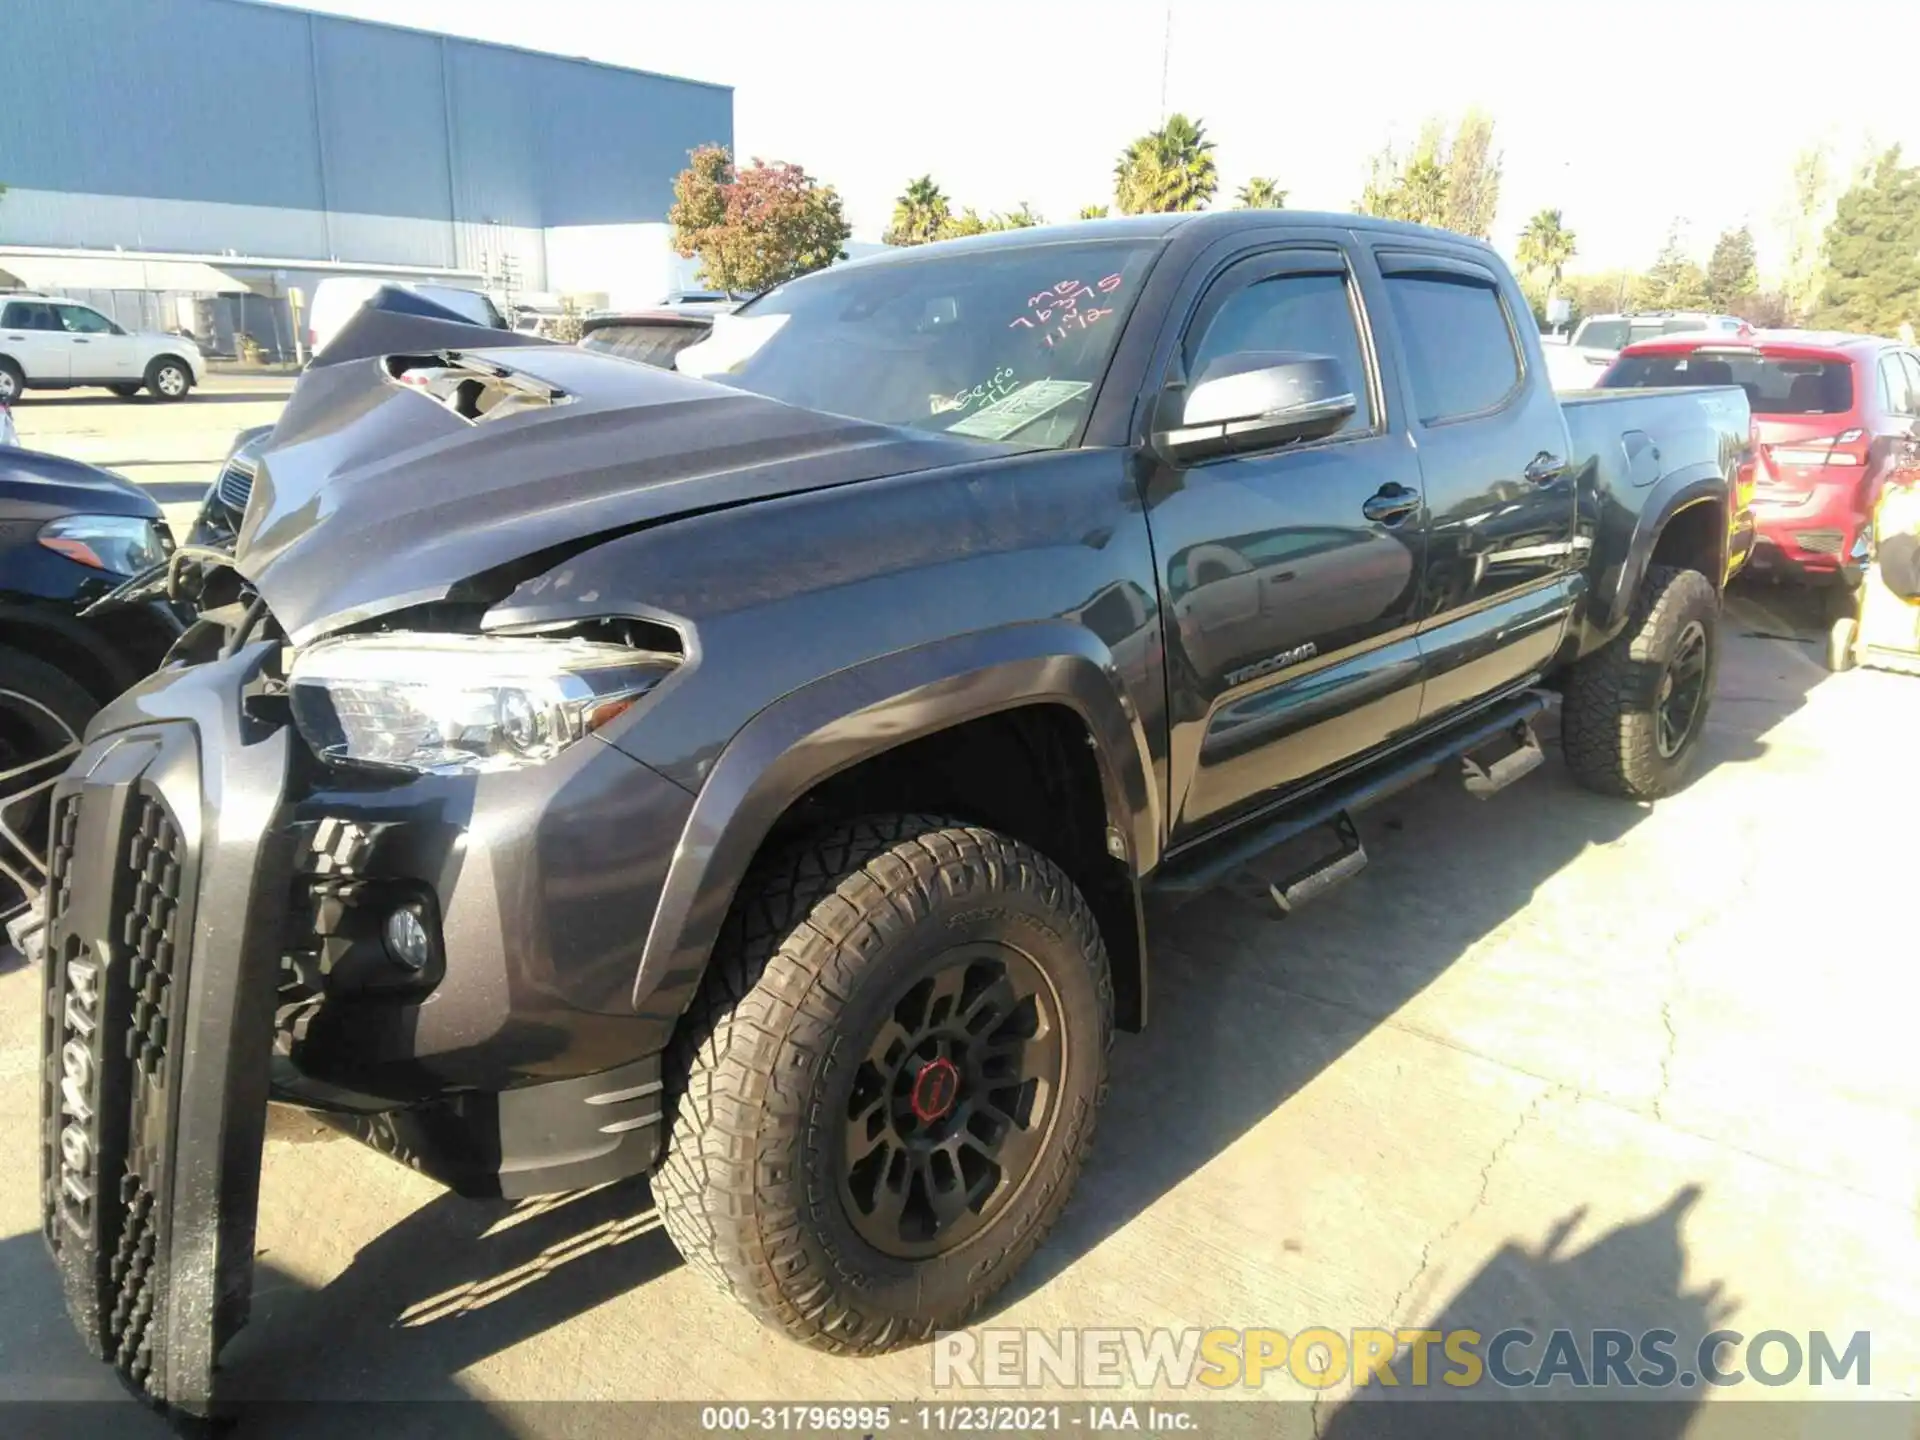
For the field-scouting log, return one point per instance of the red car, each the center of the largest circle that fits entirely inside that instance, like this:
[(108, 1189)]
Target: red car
[(1835, 416)]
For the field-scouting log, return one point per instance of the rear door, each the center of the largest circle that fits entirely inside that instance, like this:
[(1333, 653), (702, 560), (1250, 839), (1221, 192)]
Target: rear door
[(98, 348), (1289, 573), (1500, 569), (30, 332)]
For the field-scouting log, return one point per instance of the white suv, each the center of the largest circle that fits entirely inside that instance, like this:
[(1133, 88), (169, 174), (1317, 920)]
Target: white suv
[(47, 343)]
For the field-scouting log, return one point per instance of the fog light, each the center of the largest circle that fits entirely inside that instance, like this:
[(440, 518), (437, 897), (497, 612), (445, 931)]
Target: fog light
[(407, 940)]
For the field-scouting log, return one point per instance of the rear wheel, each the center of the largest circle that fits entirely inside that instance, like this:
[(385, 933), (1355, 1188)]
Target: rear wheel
[(12, 382), (125, 391), (1636, 707), (169, 379), (1841, 636), (889, 1081), (43, 713)]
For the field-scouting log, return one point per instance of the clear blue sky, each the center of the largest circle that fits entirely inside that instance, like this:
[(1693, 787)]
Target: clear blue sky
[(1623, 113)]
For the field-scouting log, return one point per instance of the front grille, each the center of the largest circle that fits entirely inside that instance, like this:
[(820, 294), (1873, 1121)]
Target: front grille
[(153, 857), (1819, 542), (66, 819), (235, 485), (148, 929)]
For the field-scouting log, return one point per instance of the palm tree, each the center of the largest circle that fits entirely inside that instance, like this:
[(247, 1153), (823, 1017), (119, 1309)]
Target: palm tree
[(1546, 244), (1166, 169), (1262, 192), (1093, 212), (1022, 219), (919, 215)]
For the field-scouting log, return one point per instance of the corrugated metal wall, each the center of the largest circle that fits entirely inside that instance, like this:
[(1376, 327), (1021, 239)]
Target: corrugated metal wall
[(235, 103)]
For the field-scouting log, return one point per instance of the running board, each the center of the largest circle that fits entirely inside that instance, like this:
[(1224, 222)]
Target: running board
[(1525, 758), (1312, 880), (1219, 860)]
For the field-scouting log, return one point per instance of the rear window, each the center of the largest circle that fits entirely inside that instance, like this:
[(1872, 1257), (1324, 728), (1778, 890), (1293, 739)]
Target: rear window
[(1775, 385), (1603, 334), (649, 344)]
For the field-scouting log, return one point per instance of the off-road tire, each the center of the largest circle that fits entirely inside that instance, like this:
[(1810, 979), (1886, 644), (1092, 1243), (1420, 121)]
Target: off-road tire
[(12, 381), (1609, 725), (1842, 635), (158, 383), (821, 937)]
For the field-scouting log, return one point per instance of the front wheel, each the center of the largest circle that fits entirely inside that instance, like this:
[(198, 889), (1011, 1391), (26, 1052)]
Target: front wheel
[(1636, 707), (43, 713), (169, 379), (889, 1081)]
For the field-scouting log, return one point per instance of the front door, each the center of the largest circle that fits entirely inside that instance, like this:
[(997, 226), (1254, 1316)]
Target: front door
[(1289, 574), (100, 349), (30, 333), (1502, 565)]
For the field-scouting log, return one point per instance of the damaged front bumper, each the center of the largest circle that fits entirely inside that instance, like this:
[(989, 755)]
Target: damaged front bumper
[(212, 940)]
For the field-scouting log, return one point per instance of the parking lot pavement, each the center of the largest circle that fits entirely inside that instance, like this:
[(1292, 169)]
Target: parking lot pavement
[(174, 450), (1550, 1060)]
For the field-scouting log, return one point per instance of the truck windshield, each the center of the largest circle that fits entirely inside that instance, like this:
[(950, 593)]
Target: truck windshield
[(997, 345), (1775, 384)]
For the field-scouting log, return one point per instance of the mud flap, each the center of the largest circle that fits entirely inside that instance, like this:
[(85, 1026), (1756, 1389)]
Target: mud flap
[(157, 1040)]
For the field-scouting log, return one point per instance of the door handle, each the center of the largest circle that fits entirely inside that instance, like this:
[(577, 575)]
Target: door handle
[(1391, 504), (1544, 468), (83, 342)]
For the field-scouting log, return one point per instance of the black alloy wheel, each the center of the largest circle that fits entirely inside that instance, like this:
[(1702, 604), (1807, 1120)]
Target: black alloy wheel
[(1682, 687), (953, 1102), (42, 717)]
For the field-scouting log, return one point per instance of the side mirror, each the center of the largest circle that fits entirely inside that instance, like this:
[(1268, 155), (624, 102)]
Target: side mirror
[(1254, 399)]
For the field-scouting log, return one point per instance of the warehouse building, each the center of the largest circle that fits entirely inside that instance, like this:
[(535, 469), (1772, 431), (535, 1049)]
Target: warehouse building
[(186, 164)]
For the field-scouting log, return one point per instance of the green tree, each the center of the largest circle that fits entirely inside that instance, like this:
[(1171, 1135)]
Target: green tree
[(1025, 218), (754, 228), (1093, 212), (1262, 192), (1454, 185), (1676, 281), (967, 222), (1546, 245), (919, 214), (1732, 274), (1872, 252), (1166, 169)]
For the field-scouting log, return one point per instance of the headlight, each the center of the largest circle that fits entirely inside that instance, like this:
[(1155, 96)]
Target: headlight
[(462, 704), (124, 544)]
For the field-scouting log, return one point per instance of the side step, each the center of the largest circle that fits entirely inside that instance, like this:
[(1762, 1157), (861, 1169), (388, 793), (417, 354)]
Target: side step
[(1306, 882), (1525, 758), (1221, 861)]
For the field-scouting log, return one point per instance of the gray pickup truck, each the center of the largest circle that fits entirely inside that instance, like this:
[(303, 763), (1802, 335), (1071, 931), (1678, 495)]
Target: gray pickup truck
[(754, 773)]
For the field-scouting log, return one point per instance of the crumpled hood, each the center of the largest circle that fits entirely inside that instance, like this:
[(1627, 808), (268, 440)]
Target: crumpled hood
[(372, 496)]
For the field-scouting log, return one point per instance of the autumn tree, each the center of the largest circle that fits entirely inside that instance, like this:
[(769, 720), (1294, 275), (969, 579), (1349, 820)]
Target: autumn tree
[(1872, 251), (1803, 222), (754, 228), (1262, 192), (919, 215), (1732, 273), (1166, 169), (1451, 184)]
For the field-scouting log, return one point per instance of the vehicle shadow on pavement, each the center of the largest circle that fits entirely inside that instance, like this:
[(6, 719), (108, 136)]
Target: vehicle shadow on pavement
[(1246, 1009), (1631, 1279), (455, 1282)]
